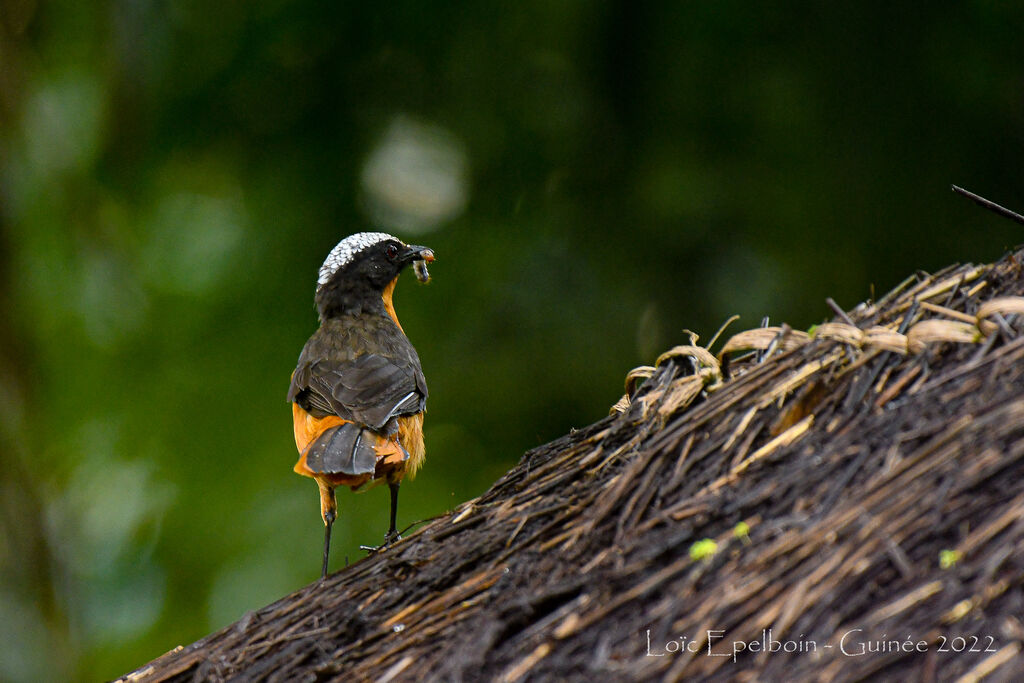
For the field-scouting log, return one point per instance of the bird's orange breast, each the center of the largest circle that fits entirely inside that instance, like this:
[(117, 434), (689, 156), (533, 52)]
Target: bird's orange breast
[(389, 304)]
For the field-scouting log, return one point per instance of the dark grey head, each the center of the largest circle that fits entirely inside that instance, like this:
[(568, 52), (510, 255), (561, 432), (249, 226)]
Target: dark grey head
[(360, 268)]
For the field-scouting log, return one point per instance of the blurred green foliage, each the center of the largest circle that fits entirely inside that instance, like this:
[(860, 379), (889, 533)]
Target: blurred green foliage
[(594, 177)]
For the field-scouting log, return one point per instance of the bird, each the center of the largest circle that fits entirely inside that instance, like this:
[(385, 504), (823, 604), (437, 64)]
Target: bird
[(358, 393)]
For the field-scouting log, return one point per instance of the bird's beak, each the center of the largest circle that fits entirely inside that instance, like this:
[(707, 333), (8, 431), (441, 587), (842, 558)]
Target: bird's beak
[(421, 253)]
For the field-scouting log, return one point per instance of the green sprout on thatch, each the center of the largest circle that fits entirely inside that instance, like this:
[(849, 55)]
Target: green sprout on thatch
[(949, 558), (811, 330), (742, 532), (703, 549)]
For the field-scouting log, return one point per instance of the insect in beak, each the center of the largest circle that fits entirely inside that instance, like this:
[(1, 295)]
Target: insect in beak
[(420, 268)]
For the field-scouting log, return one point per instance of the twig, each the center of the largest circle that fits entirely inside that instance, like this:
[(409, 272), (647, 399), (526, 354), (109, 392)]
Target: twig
[(991, 206), (721, 329), (839, 311)]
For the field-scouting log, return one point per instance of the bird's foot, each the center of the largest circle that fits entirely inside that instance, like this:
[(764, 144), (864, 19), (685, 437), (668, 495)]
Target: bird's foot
[(390, 538)]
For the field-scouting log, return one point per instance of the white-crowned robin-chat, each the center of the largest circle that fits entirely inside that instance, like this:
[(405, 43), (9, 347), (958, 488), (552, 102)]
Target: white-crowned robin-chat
[(358, 392)]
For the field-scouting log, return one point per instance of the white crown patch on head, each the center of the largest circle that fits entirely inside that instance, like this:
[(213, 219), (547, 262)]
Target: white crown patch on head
[(346, 250)]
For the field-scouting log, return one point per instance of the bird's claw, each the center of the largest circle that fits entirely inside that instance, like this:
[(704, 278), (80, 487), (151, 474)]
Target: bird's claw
[(389, 539)]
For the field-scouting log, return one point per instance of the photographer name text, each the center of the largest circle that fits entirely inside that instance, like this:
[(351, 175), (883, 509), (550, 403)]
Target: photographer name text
[(852, 643)]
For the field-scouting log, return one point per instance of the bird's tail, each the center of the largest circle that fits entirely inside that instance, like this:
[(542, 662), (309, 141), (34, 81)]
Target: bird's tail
[(350, 455)]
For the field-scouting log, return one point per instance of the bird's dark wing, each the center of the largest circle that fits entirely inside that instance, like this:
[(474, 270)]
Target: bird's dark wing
[(369, 389)]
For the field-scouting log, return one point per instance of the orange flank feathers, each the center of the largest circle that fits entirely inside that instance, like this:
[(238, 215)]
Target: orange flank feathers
[(308, 428), (410, 434)]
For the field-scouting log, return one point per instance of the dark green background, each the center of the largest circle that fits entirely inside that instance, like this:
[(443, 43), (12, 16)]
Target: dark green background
[(173, 174)]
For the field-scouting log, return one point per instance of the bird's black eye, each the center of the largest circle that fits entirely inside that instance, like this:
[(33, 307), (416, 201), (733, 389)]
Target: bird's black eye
[(391, 250)]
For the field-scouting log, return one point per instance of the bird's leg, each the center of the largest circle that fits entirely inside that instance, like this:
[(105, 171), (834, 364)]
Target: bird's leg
[(329, 511), (392, 534), (327, 545)]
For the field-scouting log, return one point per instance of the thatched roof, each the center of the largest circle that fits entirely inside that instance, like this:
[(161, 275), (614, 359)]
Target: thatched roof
[(869, 475)]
